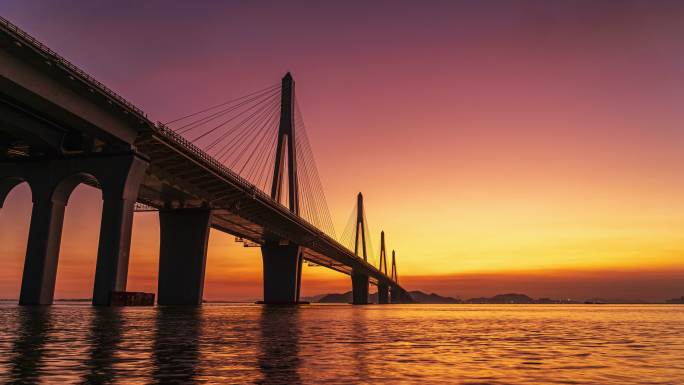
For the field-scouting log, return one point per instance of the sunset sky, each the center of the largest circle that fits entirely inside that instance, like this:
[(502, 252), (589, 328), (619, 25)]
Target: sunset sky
[(512, 146)]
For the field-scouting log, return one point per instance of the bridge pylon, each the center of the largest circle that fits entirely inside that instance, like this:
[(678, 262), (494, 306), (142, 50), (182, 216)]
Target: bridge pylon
[(282, 259), (394, 276), (360, 229), (286, 149), (397, 293), (360, 280), (383, 289), (383, 254)]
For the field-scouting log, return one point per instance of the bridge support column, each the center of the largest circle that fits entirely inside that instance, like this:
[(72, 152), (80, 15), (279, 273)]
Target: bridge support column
[(359, 288), (120, 191), (42, 252), (383, 294), (184, 236), (394, 295), (282, 272), (111, 271)]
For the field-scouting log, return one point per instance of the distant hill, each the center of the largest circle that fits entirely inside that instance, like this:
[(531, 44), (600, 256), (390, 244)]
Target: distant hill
[(418, 297), (336, 298), (511, 298), (598, 301), (344, 298), (421, 297), (313, 298)]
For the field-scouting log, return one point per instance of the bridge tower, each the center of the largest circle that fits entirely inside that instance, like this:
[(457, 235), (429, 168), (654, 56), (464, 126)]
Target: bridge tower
[(283, 260), (360, 228), (286, 148), (394, 267), (383, 254), (397, 294), (360, 280), (383, 289)]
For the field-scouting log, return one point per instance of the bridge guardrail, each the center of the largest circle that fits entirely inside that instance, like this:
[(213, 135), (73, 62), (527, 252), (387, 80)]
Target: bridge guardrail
[(54, 56)]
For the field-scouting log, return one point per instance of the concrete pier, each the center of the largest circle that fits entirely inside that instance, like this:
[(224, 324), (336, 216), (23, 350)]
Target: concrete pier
[(359, 288), (182, 255), (120, 179), (394, 295), (383, 294), (42, 252), (282, 273)]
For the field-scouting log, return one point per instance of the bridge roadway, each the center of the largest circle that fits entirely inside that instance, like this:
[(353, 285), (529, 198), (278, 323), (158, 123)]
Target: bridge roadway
[(60, 127)]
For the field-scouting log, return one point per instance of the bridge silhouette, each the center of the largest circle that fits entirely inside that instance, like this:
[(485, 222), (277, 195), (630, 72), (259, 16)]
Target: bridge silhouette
[(244, 167)]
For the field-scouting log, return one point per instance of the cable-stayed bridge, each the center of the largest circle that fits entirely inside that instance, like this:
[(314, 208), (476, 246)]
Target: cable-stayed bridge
[(244, 166)]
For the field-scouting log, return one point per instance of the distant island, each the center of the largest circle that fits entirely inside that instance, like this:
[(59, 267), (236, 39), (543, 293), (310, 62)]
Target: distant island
[(418, 297), (514, 298), (434, 298), (510, 298)]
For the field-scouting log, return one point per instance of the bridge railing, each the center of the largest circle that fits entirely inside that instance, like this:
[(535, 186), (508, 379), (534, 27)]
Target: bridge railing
[(55, 57)]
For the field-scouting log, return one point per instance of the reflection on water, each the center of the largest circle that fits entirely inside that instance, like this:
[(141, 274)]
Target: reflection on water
[(361, 335), (75, 344), (279, 345), (103, 339), (176, 344), (29, 345)]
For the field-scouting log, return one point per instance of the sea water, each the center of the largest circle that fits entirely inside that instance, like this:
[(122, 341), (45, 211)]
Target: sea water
[(343, 344)]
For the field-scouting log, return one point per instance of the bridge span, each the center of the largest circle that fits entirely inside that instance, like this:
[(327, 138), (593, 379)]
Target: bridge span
[(60, 127)]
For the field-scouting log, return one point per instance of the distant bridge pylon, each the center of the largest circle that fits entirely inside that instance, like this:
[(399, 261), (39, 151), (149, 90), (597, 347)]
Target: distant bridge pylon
[(383, 254), (394, 276), (360, 228)]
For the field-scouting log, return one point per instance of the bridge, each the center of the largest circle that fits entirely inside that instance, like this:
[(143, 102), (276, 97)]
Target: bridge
[(244, 167)]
